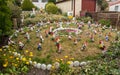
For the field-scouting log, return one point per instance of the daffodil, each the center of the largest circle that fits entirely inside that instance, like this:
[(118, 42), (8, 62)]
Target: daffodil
[(61, 59), (23, 59), (27, 63), (72, 58), (31, 54), (26, 51), (17, 58), (53, 67), (68, 62), (15, 65), (0, 49), (66, 56), (29, 58), (11, 57), (5, 65)]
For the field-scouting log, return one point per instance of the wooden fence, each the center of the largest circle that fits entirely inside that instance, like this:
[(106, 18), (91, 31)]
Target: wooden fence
[(114, 17)]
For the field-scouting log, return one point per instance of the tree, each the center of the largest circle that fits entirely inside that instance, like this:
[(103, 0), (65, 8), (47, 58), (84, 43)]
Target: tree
[(5, 20), (27, 5), (17, 2), (51, 8), (52, 1), (102, 4), (16, 12)]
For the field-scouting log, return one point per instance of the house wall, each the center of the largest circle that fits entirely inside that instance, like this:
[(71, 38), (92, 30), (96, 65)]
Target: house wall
[(78, 7), (112, 8), (64, 6)]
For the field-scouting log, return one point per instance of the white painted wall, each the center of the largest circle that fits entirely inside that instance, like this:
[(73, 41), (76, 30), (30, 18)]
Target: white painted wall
[(78, 7), (112, 8), (65, 6)]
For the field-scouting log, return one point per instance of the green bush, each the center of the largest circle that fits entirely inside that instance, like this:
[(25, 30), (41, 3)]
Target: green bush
[(27, 5), (51, 8), (105, 22)]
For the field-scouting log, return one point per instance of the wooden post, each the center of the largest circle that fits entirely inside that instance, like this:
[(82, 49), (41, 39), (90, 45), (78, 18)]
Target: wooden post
[(14, 23)]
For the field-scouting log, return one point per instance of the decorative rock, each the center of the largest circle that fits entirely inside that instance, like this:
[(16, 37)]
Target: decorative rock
[(43, 67), (38, 65), (83, 63), (49, 67), (76, 63), (56, 64)]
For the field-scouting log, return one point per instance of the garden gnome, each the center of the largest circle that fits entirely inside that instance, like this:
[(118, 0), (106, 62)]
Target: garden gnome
[(101, 44), (69, 37), (58, 47), (106, 38), (89, 24), (21, 45), (84, 46), (31, 28), (92, 38), (46, 33), (75, 41), (27, 36), (39, 46), (41, 38)]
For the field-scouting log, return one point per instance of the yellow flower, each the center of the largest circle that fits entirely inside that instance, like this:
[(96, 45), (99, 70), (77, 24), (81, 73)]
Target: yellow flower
[(61, 59), (0, 49), (15, 65), (24, 59), (4, 54), (27, 63), (29, 58), (11, 57), (68, 62), (26, 51), (66, 56), (72, 58), (53, 67), (31, 54), (5, 65), (17, 58)]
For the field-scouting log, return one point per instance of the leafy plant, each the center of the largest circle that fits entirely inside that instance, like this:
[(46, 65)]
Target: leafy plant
[(51, 8), (27, 5), (105, 22)]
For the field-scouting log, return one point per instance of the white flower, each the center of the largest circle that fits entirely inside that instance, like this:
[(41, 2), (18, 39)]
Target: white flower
[(56, 64), (49, 66), (43, 67), (83, 63), (76, 63), (38, 65)]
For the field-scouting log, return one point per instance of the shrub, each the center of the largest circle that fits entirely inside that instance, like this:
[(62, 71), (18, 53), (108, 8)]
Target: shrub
[(27, 5), (105, 22), (51, 8)]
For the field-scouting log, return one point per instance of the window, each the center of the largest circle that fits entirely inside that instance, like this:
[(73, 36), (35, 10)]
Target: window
[(116, 8)]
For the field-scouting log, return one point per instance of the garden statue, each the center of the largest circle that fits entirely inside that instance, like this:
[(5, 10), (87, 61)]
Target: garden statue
[(39, 46)]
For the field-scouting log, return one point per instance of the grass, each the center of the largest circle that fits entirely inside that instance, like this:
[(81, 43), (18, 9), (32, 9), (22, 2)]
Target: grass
[(68, 48)]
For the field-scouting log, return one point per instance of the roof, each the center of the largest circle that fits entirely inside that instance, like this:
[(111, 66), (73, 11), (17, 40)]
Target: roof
[(114, 2), (62, 1)]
